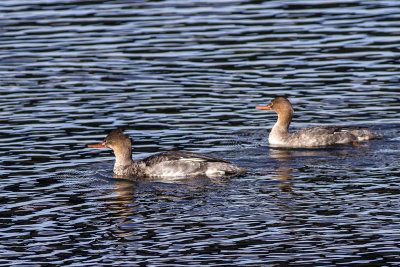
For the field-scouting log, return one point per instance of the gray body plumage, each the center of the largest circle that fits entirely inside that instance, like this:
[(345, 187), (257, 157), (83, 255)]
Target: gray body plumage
[(178, 164), (321, 136), (165, 164)]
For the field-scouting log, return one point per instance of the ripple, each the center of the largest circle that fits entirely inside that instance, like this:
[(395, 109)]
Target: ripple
[(180, 75)]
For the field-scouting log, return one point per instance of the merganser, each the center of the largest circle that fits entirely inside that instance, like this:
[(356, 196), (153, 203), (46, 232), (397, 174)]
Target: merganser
[(319, 136), (164, 164)]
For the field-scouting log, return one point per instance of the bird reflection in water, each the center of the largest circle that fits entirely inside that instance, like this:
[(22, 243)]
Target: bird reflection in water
[(128, 192), (284, 170)]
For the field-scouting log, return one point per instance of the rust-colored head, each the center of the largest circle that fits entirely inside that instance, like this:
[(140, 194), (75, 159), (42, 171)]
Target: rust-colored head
[(279, 105), (114, 140)]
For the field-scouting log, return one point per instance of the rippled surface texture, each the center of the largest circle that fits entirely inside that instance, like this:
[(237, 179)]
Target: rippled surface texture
[(187, 75)]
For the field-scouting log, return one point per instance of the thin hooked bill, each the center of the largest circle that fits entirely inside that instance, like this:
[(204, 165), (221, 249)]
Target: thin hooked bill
[(97, 146), (263, 107)]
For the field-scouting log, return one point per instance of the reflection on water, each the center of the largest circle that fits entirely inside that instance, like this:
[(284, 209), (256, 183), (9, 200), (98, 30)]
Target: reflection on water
[(284, 169), (187, 75), (124, 198)]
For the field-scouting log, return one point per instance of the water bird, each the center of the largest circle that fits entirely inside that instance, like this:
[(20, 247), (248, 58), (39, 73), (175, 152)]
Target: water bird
[(165, 164), (319, 136)]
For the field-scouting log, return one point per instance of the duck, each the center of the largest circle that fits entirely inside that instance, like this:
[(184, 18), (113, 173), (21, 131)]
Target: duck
[(164, 164), (319, 136)]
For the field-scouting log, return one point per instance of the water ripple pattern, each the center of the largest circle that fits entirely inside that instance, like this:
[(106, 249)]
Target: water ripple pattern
[(187, 75)]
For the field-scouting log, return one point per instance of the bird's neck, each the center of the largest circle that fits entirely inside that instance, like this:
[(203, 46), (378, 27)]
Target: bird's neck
[(123, 156), (283, 122)]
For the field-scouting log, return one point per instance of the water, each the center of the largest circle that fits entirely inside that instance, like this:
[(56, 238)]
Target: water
[(180, 75)]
